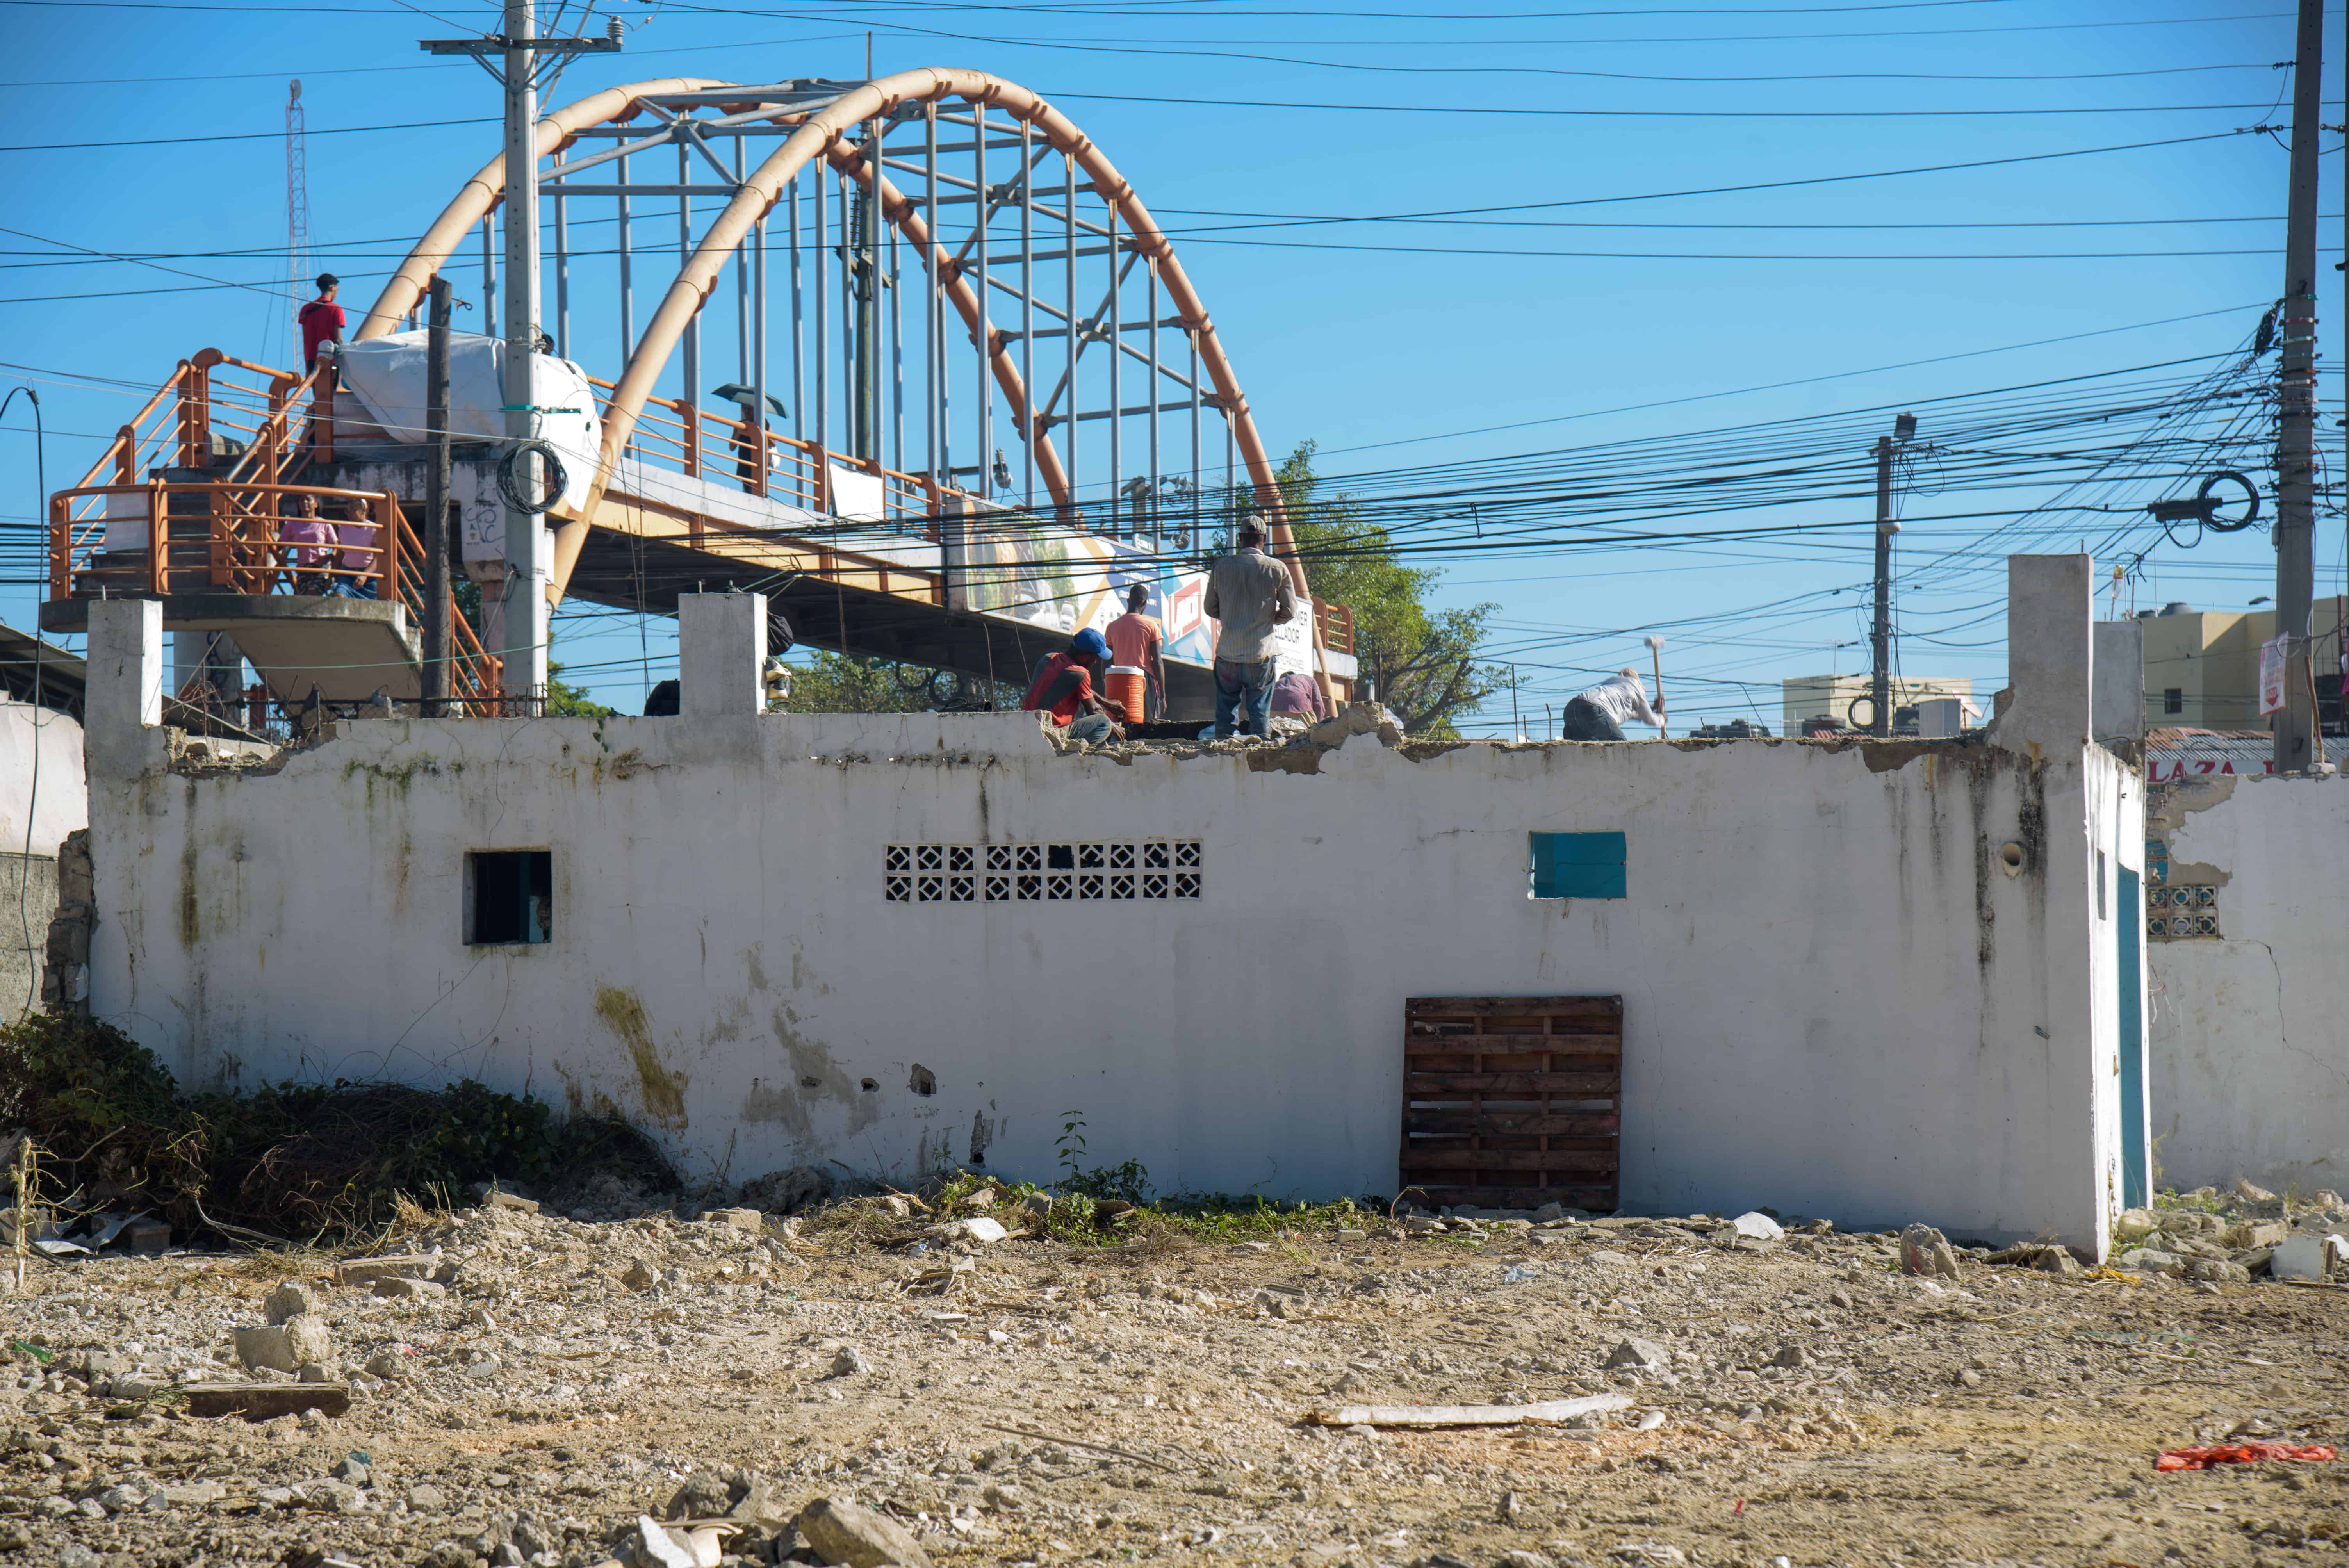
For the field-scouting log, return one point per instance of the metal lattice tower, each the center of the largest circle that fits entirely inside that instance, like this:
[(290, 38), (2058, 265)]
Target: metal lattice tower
[(297, 190)]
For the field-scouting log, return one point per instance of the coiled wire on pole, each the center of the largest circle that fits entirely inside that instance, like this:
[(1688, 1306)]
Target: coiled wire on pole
[(510, 480)]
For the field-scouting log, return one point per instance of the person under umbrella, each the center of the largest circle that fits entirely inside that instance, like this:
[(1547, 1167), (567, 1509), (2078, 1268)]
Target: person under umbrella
[(750, 430)]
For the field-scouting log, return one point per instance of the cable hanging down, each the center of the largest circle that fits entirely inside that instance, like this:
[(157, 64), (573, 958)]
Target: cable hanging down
[(510, 478)]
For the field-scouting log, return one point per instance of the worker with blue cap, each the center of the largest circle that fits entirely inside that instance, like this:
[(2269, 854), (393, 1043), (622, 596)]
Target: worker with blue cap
[(1067, 690)]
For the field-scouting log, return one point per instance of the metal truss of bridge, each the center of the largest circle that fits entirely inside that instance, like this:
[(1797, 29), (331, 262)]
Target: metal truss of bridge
[(909, 356)]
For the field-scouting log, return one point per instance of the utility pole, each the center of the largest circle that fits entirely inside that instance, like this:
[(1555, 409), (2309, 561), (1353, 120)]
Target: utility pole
[(2295, 458), (1879, 685), (436, 507), (521, 54)]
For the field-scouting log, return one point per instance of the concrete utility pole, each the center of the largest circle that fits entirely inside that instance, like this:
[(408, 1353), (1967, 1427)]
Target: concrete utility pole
[(436, 507), (529, 549), (2295, 529), (1879, 685)]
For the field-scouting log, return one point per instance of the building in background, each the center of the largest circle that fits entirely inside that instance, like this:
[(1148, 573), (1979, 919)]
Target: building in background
[(1830, 696), (2202, 666), (44, 797)]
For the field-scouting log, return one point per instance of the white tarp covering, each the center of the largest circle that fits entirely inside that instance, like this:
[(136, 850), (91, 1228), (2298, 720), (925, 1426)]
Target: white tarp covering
[(386, 375)]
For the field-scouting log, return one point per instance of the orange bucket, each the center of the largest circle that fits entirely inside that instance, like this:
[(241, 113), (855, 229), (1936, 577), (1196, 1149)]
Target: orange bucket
[(1128, 686)]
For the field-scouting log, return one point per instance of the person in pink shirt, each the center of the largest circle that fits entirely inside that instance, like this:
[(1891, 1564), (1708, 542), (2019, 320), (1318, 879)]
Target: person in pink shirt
[(360, 560), (308, 532)]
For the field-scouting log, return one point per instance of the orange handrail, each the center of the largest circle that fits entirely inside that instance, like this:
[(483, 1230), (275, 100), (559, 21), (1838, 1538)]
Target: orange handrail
[(242, 549)]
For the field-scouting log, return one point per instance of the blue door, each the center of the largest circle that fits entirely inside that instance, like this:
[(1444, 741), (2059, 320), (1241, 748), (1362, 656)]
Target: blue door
[(2136, 1154)]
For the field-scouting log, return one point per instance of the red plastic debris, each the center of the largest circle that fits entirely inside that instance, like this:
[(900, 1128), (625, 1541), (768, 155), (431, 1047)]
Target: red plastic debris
[(2238, 1454)]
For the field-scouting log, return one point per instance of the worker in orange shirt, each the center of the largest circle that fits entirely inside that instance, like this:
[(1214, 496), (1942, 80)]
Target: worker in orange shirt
[(1137, 672)]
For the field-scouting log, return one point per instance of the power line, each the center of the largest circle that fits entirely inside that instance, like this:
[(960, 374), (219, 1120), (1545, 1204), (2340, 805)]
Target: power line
[(233, 135)]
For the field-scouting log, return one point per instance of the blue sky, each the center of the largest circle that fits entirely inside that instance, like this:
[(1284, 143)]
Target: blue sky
[(1283, 109)]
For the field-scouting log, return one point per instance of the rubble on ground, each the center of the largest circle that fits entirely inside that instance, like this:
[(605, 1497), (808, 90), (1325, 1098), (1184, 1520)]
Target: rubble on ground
[(881, 1380)]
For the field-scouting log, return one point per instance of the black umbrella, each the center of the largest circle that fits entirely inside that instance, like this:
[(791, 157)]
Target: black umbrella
[(735, 392)]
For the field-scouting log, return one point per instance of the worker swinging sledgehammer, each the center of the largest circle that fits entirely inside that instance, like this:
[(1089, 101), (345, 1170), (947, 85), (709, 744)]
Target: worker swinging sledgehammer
[(1600, 713)]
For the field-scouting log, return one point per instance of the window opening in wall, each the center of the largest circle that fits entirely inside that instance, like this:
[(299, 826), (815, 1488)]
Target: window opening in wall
[(1578, 865), (2173, 699), (509, 897), (1006, 873)]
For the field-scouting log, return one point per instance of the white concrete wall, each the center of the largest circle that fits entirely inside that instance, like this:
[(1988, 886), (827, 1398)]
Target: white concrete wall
[(1836, 1001), (43, 786), (2250, 1034)]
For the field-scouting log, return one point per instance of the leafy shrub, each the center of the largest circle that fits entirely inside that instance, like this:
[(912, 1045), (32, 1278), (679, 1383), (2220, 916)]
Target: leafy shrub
[(287, 1159)]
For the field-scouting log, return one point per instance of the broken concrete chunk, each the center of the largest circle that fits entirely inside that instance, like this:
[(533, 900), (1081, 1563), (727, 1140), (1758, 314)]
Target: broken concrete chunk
[(1791, 1354), (641, 1275), (787, 1192), (146, 1237), (1760, 1227), (2251, 1194), (285, 1348), (291, 1299), (850, 1362), (2218, 1271), (1925, 1251), (851, 1536), (2040, 1255), (1644, 1353), (738, 1219), (763, 1506), (2306, 1255), (367, 1271), (399, 1289), (978, 1228), (660, 1547), (2254, 1235)]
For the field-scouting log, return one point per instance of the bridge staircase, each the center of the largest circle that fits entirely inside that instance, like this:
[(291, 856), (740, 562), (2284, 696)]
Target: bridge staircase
[(185, 506)]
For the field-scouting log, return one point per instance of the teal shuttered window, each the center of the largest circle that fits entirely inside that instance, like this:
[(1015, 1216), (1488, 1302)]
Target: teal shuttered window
[(1578, 865)]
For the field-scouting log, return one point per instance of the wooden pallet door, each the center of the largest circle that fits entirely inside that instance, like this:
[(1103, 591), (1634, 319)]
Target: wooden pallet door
[(1511, 1102)]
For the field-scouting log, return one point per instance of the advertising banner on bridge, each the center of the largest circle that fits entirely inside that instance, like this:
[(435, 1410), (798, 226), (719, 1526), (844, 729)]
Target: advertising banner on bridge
[(1060, 579)]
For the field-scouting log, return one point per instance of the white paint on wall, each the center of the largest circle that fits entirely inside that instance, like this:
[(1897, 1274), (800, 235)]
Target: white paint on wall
[(44, 793), (2250, 1055), (1836, 1002)]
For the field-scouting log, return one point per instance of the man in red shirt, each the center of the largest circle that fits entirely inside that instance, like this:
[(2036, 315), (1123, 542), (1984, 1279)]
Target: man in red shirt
[(1064, 690), (1137, 672), (322, 321)]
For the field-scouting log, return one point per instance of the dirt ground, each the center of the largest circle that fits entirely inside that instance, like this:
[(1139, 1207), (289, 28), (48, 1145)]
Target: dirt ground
[(1153, 1401)]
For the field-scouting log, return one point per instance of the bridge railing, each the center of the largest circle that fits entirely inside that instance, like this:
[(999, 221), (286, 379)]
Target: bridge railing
[(177, 537), (476, 676), (691, 440), (1336, 623)]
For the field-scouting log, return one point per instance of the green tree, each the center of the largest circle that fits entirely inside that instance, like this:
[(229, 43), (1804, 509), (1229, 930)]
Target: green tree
[(565, 700), (1424, 661)]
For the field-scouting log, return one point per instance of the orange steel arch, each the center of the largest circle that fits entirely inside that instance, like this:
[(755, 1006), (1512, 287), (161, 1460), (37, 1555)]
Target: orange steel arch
[(404, 291), (825, 132)]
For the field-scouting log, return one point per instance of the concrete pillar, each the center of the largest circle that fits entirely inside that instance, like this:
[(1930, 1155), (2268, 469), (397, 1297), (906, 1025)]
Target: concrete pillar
[(124, 702), (2050, 655), (2118, 705), (721, 641)]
